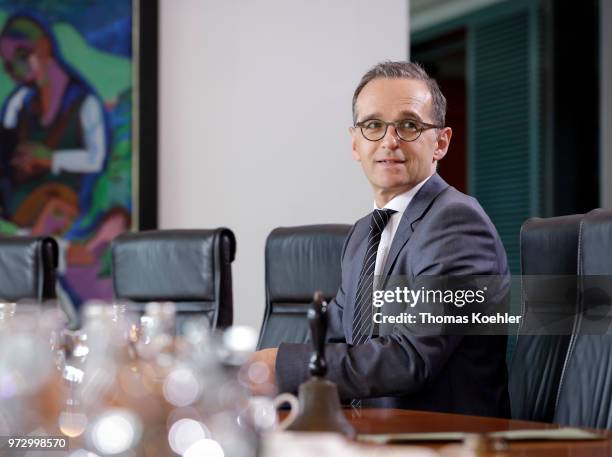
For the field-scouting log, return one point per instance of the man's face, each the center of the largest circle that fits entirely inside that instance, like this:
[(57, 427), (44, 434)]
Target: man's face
[(26, 61), (16, 55), (391, 165)]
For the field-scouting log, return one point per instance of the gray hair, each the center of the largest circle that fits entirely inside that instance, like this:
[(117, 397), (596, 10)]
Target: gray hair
[(405, 70)]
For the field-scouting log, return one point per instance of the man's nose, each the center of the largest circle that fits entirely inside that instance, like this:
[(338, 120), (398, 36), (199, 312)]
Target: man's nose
[(390, 140)]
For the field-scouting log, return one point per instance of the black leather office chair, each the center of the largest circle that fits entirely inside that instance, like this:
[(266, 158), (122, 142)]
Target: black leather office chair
[(585, 394), (549, 264), (191, 268), (299, 261), (28, 268)]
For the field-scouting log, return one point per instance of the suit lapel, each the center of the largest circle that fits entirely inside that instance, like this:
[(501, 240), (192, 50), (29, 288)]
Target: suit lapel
[(361, 234), (415, 211), (360, 237)]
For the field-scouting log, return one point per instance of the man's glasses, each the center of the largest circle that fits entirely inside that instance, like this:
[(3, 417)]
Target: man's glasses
[(406, 129)]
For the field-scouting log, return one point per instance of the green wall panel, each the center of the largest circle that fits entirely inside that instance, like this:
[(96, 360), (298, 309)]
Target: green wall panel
[(504, 127)]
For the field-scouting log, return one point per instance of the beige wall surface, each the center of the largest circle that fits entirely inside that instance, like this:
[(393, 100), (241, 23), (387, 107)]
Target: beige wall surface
[(254, 110)]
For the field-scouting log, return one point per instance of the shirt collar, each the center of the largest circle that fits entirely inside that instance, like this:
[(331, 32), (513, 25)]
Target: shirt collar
[(400, 202)]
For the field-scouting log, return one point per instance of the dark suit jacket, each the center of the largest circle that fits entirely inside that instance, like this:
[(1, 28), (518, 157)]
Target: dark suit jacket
[(442, 232)]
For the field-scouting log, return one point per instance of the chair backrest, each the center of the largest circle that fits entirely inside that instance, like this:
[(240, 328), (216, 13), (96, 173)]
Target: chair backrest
[(299, 261), (28, 268), (549, 265), (191, 268), (585, 395)]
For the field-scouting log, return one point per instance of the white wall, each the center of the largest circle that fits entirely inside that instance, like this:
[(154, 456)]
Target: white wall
[(255, 106)]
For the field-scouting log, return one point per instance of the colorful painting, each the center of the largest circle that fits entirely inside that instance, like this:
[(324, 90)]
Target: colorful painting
[(66, 131)]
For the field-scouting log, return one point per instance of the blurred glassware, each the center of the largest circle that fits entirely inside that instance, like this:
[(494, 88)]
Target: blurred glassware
[(157, 329), (7, 311), (239, 342), (115, 431), (214, 360), (29, 379), (262, 412), (125, 384)]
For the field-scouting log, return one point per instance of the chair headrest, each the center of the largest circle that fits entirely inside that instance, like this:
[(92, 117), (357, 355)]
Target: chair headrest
[(550, 246), (549, 264), (175, 265), (23, 261), (596, 243), (301, 260)]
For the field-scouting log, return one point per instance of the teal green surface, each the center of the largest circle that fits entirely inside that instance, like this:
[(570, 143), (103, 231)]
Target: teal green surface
[(505, 151)]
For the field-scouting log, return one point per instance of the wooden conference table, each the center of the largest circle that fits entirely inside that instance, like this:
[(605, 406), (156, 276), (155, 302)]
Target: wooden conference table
[(380, 421)]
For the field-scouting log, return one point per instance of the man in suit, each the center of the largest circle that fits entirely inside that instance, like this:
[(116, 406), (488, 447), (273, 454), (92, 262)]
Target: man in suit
[(420, 228)]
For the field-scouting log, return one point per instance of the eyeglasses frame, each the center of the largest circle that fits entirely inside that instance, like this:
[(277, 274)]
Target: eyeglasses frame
[(422, 126)]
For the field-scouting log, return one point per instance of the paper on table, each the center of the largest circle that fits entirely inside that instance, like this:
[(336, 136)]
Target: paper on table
[(401, 437), (314, 444), (556, 434)]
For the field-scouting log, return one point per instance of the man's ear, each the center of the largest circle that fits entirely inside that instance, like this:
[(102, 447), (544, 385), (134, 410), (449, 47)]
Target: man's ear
[(442, 143), (353, 133)]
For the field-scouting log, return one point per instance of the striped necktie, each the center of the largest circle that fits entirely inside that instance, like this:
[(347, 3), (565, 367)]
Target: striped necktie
[(362, 318)]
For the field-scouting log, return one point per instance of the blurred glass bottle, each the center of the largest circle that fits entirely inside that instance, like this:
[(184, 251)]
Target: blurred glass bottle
[(30, 394)]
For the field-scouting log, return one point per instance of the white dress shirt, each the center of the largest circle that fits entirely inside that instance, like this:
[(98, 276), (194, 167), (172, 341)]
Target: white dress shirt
[(398, 203)]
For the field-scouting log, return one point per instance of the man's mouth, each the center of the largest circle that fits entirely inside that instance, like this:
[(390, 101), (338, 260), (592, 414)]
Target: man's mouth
[(390, 161)]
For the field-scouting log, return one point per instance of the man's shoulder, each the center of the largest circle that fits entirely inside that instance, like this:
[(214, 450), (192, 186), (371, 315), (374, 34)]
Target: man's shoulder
[(457, 214), (452, 202), (456, 235), (363, 222)]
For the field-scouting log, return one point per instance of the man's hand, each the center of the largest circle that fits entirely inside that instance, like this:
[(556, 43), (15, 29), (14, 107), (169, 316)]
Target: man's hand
[(261, 372), (32, 158)]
